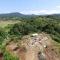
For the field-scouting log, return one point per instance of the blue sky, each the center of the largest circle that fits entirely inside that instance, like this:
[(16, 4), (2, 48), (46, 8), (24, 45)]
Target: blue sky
[(30, 6)]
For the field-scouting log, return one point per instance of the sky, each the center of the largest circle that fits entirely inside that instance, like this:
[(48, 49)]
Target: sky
[(30, 6)]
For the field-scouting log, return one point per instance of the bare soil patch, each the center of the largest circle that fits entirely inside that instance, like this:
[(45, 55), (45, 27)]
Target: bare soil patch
[(39, 47)]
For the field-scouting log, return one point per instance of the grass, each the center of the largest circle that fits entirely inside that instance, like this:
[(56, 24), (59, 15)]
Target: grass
[(56, 47), (5, 23), (8, 56)]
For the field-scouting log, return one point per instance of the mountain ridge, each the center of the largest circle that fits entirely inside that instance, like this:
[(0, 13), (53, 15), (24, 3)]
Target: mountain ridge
[(20, 14)]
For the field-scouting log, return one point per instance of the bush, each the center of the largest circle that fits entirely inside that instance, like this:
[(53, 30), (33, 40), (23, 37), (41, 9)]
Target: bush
[(22, 29), (3, 35), (39, 24), (8, 56)]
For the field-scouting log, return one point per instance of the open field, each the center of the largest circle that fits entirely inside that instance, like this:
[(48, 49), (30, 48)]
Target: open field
[(5, 23)]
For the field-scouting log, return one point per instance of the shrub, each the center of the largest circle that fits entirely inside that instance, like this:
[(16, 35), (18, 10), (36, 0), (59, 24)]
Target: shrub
[(8, 56)]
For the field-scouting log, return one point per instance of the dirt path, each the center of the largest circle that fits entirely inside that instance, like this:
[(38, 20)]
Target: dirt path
[(50, 54), (31, 55)]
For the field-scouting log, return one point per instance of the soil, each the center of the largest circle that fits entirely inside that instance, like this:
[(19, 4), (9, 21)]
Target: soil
[(39, 47)]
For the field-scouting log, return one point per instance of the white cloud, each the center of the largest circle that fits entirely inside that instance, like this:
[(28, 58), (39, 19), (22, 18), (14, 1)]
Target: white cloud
[(30, 12), (39, 12), (58, 6), (34, 12), (43, 11), (52, 12)]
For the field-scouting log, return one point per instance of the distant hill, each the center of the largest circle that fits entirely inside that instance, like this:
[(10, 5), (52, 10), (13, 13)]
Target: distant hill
[(53, 16), (17, 14), (11, 14)]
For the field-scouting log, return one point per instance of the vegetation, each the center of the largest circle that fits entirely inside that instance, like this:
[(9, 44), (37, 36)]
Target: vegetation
[(38, 24), (3, 35), (14, 27), (8, 56)]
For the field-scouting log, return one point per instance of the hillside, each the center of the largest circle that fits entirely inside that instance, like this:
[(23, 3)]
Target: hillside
[(11, 14), (15, 15), (34, 37), (38, 47)]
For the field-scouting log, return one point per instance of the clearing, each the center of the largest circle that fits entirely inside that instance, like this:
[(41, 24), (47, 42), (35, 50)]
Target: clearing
[(37, 47), (6, 22)]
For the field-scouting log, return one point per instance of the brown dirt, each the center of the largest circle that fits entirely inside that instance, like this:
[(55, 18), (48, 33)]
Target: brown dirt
[(51, 54), (31, 46), (1, 56)]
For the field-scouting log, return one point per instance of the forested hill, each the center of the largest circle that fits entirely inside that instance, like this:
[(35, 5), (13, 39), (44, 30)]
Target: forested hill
[(15, 26), (17, 15), (53, 16), (11, 14)]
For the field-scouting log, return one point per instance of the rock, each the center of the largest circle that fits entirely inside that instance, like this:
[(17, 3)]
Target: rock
[(33, 35)]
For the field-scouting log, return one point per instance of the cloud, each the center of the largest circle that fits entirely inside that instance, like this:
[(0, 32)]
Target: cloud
[(58, 6), (30, 12), (41, 12), (52, 12), (34, 12)]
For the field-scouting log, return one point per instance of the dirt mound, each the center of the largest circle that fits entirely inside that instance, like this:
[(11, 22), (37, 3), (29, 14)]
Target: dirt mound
[(51, 54), (36, 47)]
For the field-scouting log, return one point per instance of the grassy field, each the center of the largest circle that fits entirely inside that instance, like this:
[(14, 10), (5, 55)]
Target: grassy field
[(5, 23)]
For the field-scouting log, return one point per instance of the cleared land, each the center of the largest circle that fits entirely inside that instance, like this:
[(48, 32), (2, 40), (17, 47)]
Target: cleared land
[(5, 23), (40, 47)]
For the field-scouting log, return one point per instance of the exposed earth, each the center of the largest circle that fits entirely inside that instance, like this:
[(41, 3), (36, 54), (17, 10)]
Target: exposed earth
[(34, 47)]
